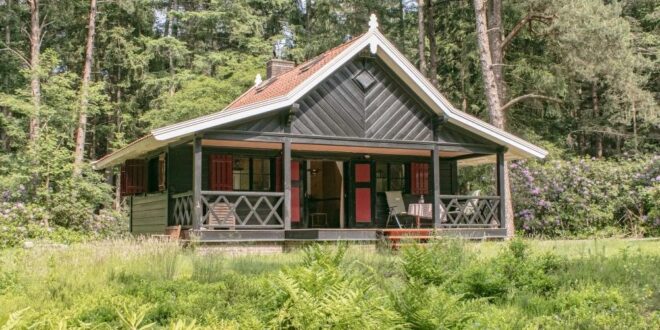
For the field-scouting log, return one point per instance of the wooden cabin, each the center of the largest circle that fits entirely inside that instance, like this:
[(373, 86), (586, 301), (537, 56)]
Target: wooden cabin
[(309, 153)]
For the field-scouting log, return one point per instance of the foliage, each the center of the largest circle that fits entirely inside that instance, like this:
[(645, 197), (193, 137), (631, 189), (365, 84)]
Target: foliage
[(130, 284), (586, 196)]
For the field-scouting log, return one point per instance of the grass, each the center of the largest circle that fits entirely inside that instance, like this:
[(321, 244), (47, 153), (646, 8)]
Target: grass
[(129, 284)]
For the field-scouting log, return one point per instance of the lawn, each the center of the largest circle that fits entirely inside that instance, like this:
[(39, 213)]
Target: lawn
[(590, 284)]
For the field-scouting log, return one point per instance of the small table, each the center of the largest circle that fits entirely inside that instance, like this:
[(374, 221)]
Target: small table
[(420, 210)]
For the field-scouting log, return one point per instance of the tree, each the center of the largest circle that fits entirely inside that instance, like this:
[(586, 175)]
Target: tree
[(84, 91)]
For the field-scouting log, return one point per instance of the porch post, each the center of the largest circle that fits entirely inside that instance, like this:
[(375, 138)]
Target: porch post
[(286, 167), (197, 182), (500, 188), (435, 154)]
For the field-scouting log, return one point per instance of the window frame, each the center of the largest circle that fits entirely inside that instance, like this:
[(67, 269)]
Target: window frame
[(388, 176)]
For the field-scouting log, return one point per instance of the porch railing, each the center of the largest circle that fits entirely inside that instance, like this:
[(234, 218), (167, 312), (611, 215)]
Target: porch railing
[(183, 208), (242, 209), (469, 211)]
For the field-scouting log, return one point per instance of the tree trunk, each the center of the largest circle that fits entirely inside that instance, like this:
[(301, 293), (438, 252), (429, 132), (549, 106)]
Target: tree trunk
[(490, 84), (433, 48), (598, 137), (495, 34), (84, 91), (421, 35), (6, 143), (491, 89), (35, 55)]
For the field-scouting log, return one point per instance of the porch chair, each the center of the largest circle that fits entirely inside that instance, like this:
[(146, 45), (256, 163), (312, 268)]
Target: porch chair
[(471, 204), (222, 217), (395, 206)]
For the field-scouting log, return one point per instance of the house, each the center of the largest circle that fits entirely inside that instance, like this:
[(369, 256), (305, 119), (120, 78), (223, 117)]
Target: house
[(310, 152)]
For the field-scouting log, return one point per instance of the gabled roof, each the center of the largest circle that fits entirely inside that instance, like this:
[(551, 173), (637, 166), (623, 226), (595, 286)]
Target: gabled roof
[(284, 90)]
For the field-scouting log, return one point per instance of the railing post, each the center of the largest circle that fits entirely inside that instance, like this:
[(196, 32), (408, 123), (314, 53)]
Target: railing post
[(501, 192), (435, 154), (286, 167), (197, 183)]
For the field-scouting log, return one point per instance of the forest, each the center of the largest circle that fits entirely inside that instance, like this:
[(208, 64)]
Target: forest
[(80, 79)]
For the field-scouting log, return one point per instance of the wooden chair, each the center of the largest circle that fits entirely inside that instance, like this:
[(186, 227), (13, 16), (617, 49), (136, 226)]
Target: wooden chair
[(395, 206), (222, 216)]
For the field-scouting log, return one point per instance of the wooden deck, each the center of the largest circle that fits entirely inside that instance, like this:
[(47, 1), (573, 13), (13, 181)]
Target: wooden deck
[(367, 235)]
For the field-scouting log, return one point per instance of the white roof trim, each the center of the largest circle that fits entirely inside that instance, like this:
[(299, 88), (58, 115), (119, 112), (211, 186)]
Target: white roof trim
[(518, 148)]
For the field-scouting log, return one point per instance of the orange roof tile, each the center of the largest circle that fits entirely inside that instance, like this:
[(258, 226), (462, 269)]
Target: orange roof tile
[(286, 82)]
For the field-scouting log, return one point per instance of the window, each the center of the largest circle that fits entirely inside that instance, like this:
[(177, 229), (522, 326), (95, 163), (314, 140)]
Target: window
[(241, 173), (391, 177), (381, 177), (261, 174), (397, 177)]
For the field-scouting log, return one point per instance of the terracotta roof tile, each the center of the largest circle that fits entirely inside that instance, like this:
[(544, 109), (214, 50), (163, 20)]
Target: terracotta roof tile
[(284, 83)]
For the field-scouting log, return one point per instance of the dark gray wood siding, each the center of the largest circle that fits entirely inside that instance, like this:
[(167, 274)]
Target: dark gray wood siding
[(383, 110), (149, 213)]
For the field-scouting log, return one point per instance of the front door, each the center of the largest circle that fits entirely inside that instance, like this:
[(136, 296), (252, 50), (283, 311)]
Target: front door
[(362, 196)]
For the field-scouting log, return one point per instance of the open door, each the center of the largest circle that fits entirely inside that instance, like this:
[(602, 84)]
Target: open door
[(362, 196)]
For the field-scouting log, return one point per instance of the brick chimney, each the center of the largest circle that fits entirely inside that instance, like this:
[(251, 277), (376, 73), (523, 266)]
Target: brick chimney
[(276, 67)]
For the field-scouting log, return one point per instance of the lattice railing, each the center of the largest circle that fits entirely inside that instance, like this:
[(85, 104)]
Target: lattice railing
[(182, 213), (242, 209), (466, 211)]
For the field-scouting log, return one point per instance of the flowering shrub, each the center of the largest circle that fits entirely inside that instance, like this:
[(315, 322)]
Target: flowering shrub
[(587, 196), (21, 222)]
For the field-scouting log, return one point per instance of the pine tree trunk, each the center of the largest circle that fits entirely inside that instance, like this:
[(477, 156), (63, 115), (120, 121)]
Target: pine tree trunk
[(598, 137), (490, 84), (421, 44), (84, 91), (35, 55), (6, 143), (495, 29), (433, 48), (491, 88)]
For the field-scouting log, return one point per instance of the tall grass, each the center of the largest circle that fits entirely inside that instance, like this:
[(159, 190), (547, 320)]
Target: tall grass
[(147, 284)]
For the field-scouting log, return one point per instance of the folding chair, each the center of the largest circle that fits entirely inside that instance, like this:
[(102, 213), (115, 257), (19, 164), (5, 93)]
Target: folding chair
[(396, 207), (222, 217)]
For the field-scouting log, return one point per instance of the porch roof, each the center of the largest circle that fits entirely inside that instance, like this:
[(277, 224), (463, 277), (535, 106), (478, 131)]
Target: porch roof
[(283, 91)]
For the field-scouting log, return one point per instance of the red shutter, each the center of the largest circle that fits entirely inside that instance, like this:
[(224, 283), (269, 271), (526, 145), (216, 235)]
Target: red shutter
[(419, 178), (134, 177), (296, 191), (363, 192), (221, 172)]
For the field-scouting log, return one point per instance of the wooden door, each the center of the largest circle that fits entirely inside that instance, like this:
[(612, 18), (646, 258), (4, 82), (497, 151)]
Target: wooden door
[(297, 188), (363, 193)]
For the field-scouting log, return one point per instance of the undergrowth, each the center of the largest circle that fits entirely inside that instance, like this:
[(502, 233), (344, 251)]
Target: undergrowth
[(448, 284)]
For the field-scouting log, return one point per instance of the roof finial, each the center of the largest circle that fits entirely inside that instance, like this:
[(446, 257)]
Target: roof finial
[(257, 80), (373, 22)]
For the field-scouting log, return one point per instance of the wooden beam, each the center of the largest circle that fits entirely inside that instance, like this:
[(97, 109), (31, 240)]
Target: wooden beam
[(435, 155), (501, 192), (197, 182), (286, 167)]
